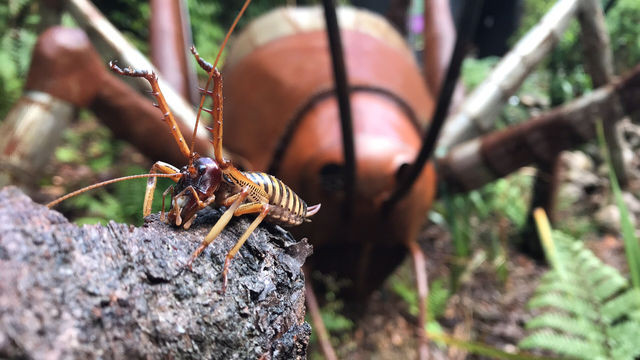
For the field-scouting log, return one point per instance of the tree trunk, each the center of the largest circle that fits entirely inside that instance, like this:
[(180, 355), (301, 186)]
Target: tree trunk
[(118, 291)]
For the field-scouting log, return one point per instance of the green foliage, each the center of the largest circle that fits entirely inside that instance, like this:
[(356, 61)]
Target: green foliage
[(532, 12), (129, 17), (123, 204), (476, 214), (18, 22), (481, 349), (622, 23), (439, 294), (338, 326), (210, 20), (94, 147), (484, 219), (207, 32), (474, 71), (565, 67), (588, 310)]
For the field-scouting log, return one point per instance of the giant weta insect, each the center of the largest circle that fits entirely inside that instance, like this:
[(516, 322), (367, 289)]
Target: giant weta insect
[(292, 106), (205, 181)]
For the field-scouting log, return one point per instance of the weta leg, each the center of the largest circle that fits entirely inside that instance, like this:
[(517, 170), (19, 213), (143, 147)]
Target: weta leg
[(157, 168), (264, 210), (231, 199), (419, 265), (204, 64), (251, 208), (167, 116), (219, 225), (164, 196), (216, 111)]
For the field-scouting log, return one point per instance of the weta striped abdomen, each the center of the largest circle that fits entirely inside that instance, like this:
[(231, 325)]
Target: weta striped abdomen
[(287, 208)]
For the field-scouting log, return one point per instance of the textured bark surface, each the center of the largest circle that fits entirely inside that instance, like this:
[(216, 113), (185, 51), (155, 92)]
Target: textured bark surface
[(119, 291)]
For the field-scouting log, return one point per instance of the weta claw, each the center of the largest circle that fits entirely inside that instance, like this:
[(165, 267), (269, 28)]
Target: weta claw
[(225, 273), (128, 71), (189, 263), (188, 266), (114, 67), (224, 283), (195, 255)]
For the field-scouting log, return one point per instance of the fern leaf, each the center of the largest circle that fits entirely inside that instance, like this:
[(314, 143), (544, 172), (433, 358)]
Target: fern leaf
[(563, 345), (589, 312), (608, 288), (565, 324), (624, 340), (619, 306), (551, 285), (571, 305)]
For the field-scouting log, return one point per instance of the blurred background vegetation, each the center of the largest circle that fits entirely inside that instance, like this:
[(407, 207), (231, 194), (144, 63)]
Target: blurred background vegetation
[(489, 219)]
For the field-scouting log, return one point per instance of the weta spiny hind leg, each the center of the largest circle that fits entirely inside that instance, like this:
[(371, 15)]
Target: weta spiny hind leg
[(219, 225), (157, 168), (204, 64), (250, 208), (216, 111), (167, 116)]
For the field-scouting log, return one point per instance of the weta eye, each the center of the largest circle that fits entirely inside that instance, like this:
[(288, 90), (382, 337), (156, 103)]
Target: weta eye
[(201, 169)]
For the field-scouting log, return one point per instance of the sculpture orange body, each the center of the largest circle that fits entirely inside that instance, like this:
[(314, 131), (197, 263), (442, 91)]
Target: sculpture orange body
[(281, 116)]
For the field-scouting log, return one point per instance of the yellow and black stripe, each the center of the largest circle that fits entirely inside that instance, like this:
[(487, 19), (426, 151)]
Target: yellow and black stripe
[(240, 178), (281, 196)]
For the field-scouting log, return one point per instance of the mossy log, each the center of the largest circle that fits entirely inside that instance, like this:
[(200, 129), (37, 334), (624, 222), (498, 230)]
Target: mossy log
[(120, 291)]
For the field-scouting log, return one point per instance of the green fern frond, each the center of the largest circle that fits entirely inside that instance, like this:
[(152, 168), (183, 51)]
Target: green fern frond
[(608, 288), (564, 345), (549, 284), (621, 305), (625, 340), (566, 324), (590, 312), (572, 305)]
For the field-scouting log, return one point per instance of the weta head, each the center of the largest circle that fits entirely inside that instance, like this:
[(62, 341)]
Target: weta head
[(197, 185)]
